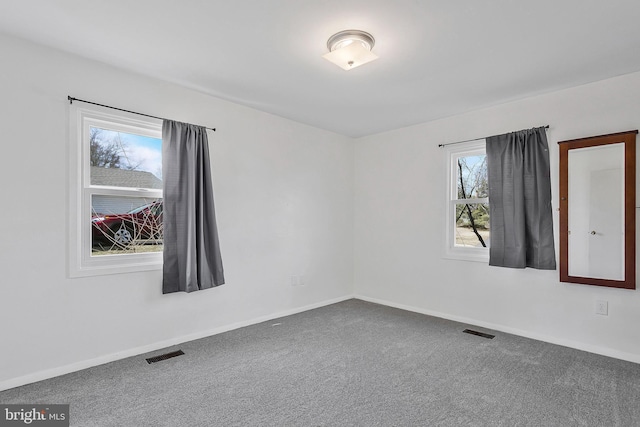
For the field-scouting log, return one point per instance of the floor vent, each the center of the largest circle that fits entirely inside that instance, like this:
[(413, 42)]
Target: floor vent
[(164, 356), (480, 334)]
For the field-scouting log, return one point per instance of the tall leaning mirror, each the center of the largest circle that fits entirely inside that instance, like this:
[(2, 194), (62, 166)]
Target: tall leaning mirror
[(597, 210)]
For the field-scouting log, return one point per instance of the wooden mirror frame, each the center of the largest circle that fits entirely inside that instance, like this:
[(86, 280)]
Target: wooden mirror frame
[(629, 140)]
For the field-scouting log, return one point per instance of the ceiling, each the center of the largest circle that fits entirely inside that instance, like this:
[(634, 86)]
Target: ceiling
[(437, 58)]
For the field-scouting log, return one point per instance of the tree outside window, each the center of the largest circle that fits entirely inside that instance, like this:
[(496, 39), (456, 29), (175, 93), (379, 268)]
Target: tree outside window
[(472, 218)]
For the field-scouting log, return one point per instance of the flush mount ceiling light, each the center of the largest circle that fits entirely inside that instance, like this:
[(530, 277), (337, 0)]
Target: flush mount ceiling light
[(350, 48)]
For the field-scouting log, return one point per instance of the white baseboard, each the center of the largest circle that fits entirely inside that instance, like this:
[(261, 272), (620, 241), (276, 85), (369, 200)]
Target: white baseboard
[(84, 364), (604, 351), (78, 366)]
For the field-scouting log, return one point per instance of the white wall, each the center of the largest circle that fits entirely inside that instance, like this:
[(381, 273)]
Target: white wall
[(284, 202), (399, 219)]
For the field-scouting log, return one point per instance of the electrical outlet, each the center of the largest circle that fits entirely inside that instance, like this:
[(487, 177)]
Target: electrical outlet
[(297, 281), (602, 307)]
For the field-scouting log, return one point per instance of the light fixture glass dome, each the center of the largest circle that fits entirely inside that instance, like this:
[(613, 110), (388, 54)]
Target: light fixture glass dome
[(350, 48)]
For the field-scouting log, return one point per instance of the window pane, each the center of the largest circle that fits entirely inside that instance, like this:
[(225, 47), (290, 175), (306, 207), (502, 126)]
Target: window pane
[(471, 177), (472, 225), (125, 224), (124, 159)]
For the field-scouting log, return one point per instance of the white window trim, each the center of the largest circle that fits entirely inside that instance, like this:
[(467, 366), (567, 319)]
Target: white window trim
[(451, 251), (80, 261)]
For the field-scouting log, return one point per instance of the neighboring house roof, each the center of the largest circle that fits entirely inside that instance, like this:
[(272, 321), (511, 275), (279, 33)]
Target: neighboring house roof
[(114, 205), (124, 178)]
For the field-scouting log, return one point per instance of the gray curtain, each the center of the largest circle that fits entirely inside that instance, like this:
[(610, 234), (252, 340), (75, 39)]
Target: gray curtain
[(520, 217), (192, 259)]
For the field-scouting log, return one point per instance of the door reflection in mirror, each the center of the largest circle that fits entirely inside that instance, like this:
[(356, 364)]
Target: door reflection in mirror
[(596, 212)]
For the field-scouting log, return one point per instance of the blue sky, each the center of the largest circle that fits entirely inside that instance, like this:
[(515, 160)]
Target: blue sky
[(141, 151), (473, 164)]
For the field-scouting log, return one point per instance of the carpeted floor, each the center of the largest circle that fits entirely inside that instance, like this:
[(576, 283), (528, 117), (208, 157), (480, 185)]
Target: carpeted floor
[(351, 364)]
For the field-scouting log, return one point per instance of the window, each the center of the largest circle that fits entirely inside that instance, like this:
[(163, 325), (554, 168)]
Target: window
[(115, 219), (467, 224)]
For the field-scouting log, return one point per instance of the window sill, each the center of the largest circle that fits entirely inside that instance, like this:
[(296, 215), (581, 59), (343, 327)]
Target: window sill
[(467, 254), (115, 266)]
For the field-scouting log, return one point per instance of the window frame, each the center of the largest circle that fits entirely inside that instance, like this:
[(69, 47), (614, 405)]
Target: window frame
[(80, 191), (453, 152)]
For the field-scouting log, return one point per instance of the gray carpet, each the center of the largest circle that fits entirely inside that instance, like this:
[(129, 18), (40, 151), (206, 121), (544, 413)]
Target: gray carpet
[(351, 364)]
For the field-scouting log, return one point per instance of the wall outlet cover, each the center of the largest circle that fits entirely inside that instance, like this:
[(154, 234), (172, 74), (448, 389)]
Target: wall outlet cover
[(602, 307)]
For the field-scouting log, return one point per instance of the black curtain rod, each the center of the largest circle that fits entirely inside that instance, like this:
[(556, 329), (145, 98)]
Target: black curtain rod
[(469, 140), (71, 99)]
